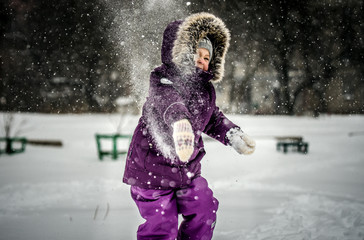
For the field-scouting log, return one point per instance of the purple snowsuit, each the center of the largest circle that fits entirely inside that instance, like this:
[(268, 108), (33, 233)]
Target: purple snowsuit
[(162, 185)]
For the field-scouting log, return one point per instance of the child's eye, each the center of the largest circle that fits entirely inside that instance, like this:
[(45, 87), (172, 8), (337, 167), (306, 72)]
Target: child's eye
[(207, 59)]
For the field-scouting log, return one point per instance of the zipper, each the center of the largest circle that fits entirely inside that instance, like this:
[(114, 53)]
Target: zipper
[(179, 169)]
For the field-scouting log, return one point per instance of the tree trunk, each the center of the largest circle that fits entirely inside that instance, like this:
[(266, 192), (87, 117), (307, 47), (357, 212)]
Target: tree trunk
[(90, 88)]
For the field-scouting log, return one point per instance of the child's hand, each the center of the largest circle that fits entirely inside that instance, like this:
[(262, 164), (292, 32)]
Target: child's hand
[(183, 139), (240, 141)]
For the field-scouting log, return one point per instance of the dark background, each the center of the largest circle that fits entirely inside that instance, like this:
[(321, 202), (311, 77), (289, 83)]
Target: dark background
[(286, 57)]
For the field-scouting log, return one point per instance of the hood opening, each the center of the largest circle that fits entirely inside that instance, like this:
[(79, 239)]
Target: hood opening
[(180, 41)]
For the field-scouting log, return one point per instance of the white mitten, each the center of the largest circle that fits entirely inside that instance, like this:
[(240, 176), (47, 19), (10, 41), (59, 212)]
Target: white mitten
[(183, 139), (240, 141)]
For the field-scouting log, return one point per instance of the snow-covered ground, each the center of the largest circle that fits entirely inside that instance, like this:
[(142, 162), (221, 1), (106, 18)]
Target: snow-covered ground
[(67, 193)]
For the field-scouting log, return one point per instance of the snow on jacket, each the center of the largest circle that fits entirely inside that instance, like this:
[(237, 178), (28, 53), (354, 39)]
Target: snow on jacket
[(179, 90)]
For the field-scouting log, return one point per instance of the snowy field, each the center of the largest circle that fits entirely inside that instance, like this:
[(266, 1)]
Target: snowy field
[(67, 193)]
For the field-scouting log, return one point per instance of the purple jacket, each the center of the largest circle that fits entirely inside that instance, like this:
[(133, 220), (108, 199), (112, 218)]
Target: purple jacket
[(179, 90)]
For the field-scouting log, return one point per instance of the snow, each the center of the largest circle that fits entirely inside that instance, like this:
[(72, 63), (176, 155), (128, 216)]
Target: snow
[(67, 193)]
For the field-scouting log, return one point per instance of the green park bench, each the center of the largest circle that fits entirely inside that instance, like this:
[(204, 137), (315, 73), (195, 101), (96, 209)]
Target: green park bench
[(17, 144), (12, 145), (293, 142), (114, 152)]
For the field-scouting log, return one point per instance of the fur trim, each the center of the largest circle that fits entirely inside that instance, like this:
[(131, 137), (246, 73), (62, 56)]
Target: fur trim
[(192, 30)]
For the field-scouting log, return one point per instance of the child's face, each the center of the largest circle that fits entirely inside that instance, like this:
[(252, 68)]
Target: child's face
[(203, 57)]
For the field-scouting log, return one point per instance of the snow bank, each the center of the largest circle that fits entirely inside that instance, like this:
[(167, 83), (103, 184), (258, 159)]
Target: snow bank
[(67, 193), (310, 216)]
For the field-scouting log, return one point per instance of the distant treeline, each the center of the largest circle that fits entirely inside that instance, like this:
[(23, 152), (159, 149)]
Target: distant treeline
[(285, 57)]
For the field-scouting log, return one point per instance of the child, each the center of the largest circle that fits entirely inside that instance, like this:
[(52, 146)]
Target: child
[(163, 163)]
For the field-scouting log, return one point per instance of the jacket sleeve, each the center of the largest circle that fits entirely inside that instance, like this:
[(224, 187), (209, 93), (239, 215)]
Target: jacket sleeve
[(168, 104), (175, 111), (218, 126)]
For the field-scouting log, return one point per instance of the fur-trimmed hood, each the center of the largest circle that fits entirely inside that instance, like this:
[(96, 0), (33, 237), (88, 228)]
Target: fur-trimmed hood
[(180, 41)]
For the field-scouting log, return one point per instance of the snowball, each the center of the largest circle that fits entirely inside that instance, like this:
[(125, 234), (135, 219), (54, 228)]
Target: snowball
[(164, 182), (190, 175), (209, 222), (172, 183), (131, 181), (226, 122)]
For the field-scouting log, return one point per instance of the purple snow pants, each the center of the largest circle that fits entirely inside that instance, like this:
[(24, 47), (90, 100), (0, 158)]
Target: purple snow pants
[(160, 209)]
